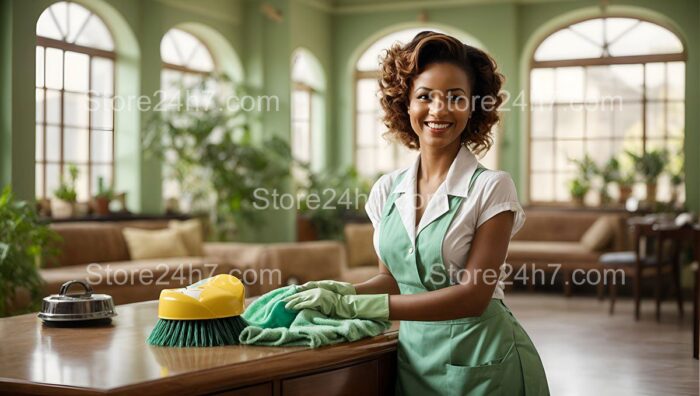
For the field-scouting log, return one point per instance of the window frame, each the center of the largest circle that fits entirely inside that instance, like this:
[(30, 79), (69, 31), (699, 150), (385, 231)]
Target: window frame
[(604, 60), (91, 52)]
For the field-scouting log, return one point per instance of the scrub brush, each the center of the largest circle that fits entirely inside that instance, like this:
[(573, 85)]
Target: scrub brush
[(206, 313)]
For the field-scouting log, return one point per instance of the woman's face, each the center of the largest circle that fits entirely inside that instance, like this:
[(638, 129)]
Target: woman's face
[(439, 105)]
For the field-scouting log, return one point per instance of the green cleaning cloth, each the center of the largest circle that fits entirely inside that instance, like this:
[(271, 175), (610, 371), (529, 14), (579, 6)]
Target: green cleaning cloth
[(270, 323)]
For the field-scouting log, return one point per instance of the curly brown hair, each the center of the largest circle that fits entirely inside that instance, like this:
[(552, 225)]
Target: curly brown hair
[(403, 63)]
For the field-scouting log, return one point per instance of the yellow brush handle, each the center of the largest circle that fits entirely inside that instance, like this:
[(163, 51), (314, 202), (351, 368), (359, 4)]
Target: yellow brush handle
[(217, 297)]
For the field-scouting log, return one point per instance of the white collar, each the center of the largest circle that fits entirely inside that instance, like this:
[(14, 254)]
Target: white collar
[(456, 184)]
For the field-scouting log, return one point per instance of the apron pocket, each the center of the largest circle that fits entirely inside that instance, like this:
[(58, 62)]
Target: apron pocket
[(485, 379)]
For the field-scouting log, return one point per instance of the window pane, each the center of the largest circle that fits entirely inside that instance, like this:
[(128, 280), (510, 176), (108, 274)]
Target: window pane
[(96, 35), (102, 113), (53, 178), (656, 127), (53, 107), (78, 17), (104, 171), (301, 143), (676, 80), (655, 77), (39, 180), (569, 122), (599, 122), (46, 25), (77, 72), (561, 185), (366, 133), (366, 161), (565, 44), (53, 143), (39, 66), (600, 84), (676, 119), (628, 120), (567, 151), (542, 155), (300, 105), (591, 30), (542, 186), (102, 75), (54, 68), (75, 145), (39, 143), (600, 150), (367, 91), (569, 84), (646, 38), (39, 105), (616, 26), (629, 80), (542, 85), (75, 109), (542, 121), (101, 146)]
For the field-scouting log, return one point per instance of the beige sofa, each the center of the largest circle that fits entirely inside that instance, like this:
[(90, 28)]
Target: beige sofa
[(98, 252)]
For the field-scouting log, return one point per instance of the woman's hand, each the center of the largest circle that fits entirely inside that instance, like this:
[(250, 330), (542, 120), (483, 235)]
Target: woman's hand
[(368, 306)]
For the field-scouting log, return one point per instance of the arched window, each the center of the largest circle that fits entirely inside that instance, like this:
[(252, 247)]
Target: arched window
[(374, 154), (601, 87), (186, 63), (74, 99), (307, 104)]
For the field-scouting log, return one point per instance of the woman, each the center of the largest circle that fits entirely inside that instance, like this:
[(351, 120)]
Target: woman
[(442, 228)]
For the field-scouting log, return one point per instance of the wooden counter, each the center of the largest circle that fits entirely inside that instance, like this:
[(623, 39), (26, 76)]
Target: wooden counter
[(35, 359)]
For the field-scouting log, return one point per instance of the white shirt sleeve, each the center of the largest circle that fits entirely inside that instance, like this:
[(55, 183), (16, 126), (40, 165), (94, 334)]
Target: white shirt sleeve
[(499, 195), (377, 198)]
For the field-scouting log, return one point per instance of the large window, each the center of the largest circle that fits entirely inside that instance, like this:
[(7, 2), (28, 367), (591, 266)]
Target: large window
[(187, 62), (599, 88), (373, 153), (74, 93)]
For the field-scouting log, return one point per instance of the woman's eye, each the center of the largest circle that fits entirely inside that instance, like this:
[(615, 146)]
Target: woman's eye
[(423, 97)]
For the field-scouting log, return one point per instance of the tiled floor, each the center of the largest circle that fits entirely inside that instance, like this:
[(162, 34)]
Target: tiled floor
[(587, 352)]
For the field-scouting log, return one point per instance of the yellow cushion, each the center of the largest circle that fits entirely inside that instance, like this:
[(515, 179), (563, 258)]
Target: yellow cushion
[(190, 231), (600, 234), (149, 244), (360, 248)]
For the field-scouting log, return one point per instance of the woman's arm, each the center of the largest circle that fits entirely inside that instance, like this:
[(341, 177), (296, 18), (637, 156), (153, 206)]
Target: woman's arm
[(382, 283), (471, 297)]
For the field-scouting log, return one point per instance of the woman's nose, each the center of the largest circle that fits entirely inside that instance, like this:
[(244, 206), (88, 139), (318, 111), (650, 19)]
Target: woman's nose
[(438, 106)]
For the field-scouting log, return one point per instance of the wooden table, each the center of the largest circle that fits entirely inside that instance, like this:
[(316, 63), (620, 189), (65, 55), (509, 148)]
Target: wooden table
[(36, 359)]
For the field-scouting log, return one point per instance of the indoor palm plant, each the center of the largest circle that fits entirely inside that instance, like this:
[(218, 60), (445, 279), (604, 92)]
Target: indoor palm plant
[(103, 198), (579, 186), (24, 243)]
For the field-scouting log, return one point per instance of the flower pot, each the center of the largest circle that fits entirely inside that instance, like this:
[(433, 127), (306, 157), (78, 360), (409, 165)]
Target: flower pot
[(101, 206), (306, 231), (651, 192), (61, 209), (579, 201), (625, 193)]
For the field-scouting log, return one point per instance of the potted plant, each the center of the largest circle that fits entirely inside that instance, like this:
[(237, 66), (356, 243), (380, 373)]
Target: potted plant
[(24, 242), (103, 198), (650, 165), (625, 184), (65, 196), (609, 173), (578, 188)]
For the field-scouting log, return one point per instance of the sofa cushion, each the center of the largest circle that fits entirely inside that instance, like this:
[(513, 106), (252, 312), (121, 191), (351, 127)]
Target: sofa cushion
[(550, 252), (359, 244), (150, 244), (599, 235), (190, 231)]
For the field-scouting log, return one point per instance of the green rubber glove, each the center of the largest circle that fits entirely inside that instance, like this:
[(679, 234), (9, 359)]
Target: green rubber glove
[(363, 306), (342, 288)]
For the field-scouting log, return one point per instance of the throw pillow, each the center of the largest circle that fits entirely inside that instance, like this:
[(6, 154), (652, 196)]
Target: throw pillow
[(150, 244), (600, 234), (190, 231)]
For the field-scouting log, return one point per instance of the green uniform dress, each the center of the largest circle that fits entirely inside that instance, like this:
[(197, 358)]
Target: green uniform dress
[(486, 355)]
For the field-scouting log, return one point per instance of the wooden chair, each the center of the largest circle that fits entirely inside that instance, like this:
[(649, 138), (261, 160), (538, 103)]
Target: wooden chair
[(648, 260)]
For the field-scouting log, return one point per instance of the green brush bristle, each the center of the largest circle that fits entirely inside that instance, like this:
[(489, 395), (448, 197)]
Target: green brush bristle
[(197, 333)]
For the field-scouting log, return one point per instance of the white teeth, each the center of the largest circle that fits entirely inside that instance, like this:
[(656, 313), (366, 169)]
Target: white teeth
[(437, 126)]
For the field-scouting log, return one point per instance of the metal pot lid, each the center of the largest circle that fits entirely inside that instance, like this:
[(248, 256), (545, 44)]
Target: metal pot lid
[(73, 307)]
